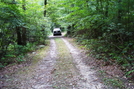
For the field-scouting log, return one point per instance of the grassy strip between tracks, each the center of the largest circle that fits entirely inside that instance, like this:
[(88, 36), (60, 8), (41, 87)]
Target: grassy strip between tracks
[(64, 68)]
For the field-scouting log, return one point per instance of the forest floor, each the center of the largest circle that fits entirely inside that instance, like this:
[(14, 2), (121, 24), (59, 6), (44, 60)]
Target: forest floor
[(61, 65)]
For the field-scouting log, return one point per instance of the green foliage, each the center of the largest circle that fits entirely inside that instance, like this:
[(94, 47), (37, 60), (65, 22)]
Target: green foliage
[(16, 53), (19, 49), (9, 20), (105, 27), (1, 66), (20, 25), (114, 82), (130, 73), (20, 59)]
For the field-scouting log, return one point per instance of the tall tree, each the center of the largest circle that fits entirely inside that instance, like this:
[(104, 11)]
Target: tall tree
[(23, 28), (45, 3), (21, 31)]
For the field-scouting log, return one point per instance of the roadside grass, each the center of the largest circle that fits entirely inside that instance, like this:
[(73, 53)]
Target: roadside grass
[(64, 67), (34, 58), (24, 71), (117, 83), (41, 53), (109, 81)]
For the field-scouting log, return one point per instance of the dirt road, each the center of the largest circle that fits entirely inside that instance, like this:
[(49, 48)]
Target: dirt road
[(61, 68)]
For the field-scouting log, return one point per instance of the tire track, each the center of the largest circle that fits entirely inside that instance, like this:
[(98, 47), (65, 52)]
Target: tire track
[(88, 80), (57, 70), (37, 75), (46, 67), (65, 74)]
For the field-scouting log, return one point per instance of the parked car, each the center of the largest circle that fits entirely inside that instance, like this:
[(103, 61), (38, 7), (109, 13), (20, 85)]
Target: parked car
[(56, 31)]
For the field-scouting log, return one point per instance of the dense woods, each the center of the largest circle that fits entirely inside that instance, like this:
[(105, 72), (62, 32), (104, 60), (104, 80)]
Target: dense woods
[(22, 25), (104, 27)]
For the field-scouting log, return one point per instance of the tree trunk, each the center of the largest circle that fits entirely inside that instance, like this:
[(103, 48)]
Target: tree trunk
[(107, 8), (24, 36), (45, 3), (119, 11), (23, 5), (19, 38), (23, 28)]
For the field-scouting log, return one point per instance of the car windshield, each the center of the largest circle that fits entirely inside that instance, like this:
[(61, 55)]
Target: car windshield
[(57, 29)]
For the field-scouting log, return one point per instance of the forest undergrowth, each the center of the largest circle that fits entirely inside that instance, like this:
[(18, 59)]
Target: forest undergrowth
[(111, 73)]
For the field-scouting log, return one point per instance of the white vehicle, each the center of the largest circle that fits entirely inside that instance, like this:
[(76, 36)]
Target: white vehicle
[(56, 31)]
